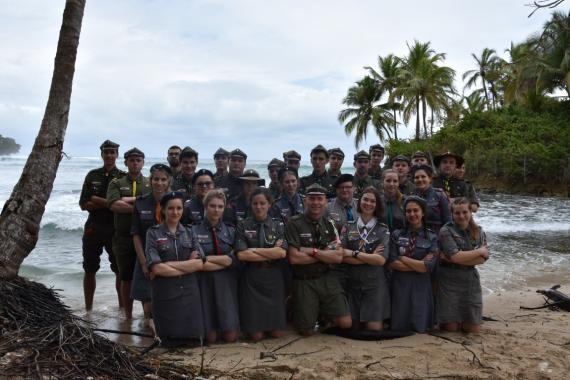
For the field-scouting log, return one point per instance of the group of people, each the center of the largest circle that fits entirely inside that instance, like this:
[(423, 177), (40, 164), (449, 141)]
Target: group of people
[(216, 254)]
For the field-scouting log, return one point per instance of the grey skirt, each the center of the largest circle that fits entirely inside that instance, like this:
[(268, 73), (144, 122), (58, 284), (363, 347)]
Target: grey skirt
[(459, 298), (140, 287), (367, 293)]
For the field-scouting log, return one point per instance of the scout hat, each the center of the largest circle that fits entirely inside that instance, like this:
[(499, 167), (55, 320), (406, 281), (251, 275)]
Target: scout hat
[(188, 152), (134, 152), (419, 154), (252, 175), (200, 173), (221, 152), (428, 169), (400, 157), (169, 196), (238, 153), (376, 147), (275, 163), (320, 148), (362, 155), (342, 179), (162, 167), (109, 145), (458, 159), (291, 154), (316, 189), (336, 152)]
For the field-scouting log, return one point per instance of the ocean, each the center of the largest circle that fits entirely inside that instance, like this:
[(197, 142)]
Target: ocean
[(528, 236)]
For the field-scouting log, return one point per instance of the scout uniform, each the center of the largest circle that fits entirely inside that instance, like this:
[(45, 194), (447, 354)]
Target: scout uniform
[(262, 284), (274, 186), (240, 205), (454, 187), (316, 290), (341, 213), (230, 183), (218, 289), (292, 159), (123, 247), (393, 213), (194, 212), (321, 179), (219, 176), (376, 172), (180, 182), (176, 301), (412, 297), (98, 230), (459, 297), (361, 183), (438, 209), (334, 174), (366, 285), (286, 208), (406, 186)]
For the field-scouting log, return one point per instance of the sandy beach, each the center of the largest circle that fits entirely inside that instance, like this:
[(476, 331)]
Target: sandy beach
[(520, 344)]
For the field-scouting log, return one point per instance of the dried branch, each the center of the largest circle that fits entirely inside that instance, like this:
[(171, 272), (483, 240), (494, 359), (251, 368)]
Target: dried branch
[(540, 4)]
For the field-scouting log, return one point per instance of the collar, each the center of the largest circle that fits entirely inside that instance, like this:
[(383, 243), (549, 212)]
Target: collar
[(371, 223), (209, 226), (164, 229)]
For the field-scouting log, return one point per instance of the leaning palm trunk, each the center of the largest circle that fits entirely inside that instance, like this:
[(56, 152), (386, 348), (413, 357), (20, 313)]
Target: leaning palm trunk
[(417, 118), (23, 211)]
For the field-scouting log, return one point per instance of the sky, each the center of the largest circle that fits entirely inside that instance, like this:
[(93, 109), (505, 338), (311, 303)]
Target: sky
[(265, 76)]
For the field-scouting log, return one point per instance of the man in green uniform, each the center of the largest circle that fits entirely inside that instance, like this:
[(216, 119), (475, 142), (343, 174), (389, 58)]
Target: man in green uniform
[(292, 159), (221, 160), (376, 152), (319, 159), (273, 170), (314, 247), (420, 158), (401, 165), (121, 197), (174, 159), (446, 164), (361, 177), (98, 231), (231, 183), (183, 180), (336, 158)]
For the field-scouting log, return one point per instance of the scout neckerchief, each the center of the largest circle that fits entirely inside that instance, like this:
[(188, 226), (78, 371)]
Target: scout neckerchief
[(135, 188), (389, 214), (364, 230), (349, 214), (412, 246), (215, 241), (157, 214), (446, 186)]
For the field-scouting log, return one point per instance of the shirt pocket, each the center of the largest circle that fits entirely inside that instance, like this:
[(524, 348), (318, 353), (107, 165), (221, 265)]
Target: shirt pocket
[(306, 239), (125, 191), (422, 248)]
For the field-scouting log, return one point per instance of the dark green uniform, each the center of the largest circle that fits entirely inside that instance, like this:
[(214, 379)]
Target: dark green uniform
[(181, 183), (316, 290), (407, 187), (98, 231), (123, 247), (376, 173), (333, 174), (324, 180), (362, 183)]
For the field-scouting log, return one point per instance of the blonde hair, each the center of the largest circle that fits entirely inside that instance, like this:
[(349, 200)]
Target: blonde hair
[(215, 193), (399, 195), (473, 227)]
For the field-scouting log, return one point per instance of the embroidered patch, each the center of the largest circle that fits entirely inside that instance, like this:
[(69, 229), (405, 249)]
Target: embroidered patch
[(146, 212), (250, 233)]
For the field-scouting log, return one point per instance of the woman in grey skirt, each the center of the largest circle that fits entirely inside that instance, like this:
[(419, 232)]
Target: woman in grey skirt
[(366, 243), (261, 245), (464, 245)]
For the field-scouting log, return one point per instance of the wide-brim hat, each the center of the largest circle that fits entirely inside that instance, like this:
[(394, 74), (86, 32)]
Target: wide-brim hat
[(253, 176), (458, 159)]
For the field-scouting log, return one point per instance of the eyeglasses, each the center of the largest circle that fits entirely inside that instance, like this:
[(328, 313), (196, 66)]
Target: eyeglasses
[(347, 187), (204, 184)]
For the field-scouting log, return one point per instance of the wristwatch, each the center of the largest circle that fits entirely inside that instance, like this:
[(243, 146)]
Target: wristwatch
[(355, 253), (315, 251)]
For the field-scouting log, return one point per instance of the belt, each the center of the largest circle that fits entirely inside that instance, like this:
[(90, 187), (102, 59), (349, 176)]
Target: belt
[(310, 276), (455, 266), (263, 264)]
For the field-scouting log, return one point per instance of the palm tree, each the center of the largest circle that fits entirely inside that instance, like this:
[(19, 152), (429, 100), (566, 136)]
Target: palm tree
[(554, 45), (23, 211), (485, 64), (520, 73), (387, 78), (365, 108), (474, 102)]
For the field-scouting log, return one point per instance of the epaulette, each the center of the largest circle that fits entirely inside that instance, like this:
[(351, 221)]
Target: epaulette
[(296, 217), (154, 227), (384, 225), (115, 180), (351, 222), (450, 223)]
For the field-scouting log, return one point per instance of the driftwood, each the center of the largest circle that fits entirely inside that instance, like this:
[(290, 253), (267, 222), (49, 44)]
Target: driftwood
[(553, 299)]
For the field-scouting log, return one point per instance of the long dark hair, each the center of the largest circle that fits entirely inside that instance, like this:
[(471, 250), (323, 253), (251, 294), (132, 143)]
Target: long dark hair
[(263, 191), (379, 210)]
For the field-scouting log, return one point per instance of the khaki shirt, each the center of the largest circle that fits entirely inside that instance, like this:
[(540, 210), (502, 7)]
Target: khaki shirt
[(123, 187)]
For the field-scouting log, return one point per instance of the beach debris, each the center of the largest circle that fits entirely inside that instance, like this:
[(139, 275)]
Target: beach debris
[(367, 334), (553, 299)]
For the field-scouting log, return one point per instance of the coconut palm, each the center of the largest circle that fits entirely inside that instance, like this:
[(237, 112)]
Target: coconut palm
[(365, 108), (474, 102), (486, 64), (387, 78), (554, 45)]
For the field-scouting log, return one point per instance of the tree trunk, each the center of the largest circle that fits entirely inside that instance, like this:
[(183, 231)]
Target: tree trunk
[(23, 211), (486, 95), (431, 122), (417, 118), (424, 111), (395, 126)]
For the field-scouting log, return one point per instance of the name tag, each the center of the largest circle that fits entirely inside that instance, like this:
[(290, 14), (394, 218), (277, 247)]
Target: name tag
[(203, 236), (305, 235), (146, 212), (250, 233)]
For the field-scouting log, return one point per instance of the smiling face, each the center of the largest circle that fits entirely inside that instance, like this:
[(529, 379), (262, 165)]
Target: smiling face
[(422, 180), (188, 166), (315, 205), (159, 182), (173, 210), (367, 204), (109, 157), (203, 184), (260, 206), (414, 214), (391, 183), (462, 215), (345, 191)]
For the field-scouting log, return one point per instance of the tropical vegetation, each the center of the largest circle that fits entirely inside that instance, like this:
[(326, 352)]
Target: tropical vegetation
[(8, 146)]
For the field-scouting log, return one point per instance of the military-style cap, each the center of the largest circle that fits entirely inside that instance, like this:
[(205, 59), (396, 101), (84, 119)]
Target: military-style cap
[(362, 155), (400, 157), (135, 152), (458, 159), (320, 148), (428, 169), (336, 152), (162, 167), (108, 144), (342, 179), (419, 154), (169, 196), (238, 153), (188, 152), (200, 173), (275, 163), (316, 189), (376, 147), (221, 152), (291, 154), (252, 175)]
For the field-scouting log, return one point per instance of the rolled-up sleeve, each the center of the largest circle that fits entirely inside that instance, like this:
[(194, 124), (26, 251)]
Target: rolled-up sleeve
[(151, 252), (448, 244), (386, 244), (292, 235), (241, 239)]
